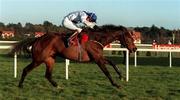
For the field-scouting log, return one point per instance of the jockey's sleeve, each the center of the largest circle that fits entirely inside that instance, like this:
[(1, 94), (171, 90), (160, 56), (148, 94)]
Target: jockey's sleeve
[(83, 17), (72, 16)]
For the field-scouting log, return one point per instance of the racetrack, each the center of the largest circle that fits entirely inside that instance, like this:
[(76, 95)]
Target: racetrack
[(150, 80)]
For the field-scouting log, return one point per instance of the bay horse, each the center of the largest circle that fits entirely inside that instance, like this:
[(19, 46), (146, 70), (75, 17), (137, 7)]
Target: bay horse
[(46, 48)]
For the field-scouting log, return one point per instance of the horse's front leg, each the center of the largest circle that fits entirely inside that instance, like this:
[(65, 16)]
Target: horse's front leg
[(115, 67), (101, 64)]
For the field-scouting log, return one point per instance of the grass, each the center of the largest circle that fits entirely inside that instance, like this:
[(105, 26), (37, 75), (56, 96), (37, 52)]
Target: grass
[(151, 80)]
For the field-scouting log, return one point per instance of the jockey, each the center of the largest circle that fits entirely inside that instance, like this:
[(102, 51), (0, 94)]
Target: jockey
[(72, 19)]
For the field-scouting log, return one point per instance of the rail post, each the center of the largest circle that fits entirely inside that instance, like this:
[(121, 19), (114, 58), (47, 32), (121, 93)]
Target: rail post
[(127, 65), (67, 65), (15, 65)]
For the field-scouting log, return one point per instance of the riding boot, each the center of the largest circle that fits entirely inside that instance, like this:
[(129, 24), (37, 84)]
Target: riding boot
[(71, 38), (66, 42)]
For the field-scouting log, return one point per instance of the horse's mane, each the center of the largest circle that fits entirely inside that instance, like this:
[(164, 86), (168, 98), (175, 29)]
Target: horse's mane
[(105, 28), (112, 27)]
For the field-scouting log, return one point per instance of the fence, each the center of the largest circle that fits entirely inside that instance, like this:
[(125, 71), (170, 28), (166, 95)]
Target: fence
[(135, 55), (106, 49), (7, 46), (156, 50), (15, 59), (109, 49)]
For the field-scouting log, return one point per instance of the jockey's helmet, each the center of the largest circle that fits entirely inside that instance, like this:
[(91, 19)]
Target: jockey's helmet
[(92, 17)]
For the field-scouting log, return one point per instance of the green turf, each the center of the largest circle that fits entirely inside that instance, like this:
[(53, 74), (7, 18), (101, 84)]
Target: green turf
[(151, 80)]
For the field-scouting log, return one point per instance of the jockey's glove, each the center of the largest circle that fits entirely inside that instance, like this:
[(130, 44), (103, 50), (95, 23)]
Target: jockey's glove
[(79, 30)]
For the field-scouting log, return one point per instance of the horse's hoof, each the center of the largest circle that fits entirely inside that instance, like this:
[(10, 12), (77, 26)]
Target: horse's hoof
[(59, 88), (119, 87), (122, 78), (20, 86)]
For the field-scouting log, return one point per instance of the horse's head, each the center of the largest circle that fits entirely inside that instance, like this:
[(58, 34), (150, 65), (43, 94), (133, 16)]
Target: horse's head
[(110, 33), (127, 40)]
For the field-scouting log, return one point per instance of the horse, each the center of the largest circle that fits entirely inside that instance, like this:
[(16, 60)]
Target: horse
[(46, 48)]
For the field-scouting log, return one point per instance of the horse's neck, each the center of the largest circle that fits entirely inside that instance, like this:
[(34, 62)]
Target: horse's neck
[(108, 39), (104, 38)]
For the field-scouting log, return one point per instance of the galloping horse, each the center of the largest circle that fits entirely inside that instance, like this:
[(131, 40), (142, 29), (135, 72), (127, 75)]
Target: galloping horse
[(47, 47)]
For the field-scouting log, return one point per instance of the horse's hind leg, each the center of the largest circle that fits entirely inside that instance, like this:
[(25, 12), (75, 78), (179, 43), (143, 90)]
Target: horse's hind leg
[(26, 70), (49, 67)]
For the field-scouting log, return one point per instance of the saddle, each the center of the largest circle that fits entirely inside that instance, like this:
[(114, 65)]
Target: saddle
[(76, 40)]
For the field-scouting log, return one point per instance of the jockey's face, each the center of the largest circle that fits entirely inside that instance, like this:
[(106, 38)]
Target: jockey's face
[(89, 19)]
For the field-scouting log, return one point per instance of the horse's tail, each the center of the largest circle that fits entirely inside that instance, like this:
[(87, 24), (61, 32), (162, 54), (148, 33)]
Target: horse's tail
[(23, 46)]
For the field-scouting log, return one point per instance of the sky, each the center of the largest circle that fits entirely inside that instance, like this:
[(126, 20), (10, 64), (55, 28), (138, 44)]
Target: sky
[(129, 13)]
